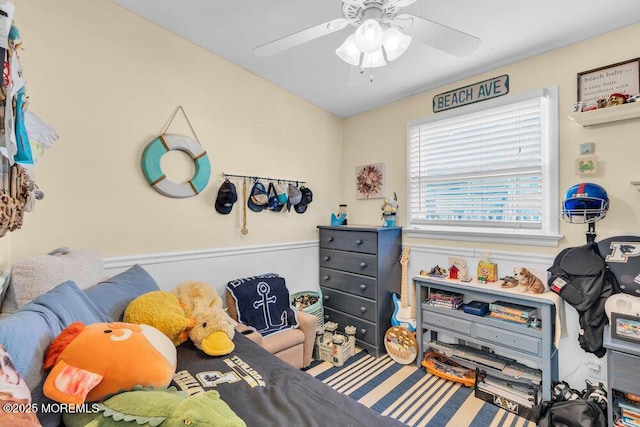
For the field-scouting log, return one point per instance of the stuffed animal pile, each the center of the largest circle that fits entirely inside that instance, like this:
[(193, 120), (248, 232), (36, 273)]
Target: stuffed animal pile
[(193, 310), (126, 366)]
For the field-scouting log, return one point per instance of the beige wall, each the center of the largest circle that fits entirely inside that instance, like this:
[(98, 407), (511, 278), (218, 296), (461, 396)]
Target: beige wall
[(380, 135), (108, 82)]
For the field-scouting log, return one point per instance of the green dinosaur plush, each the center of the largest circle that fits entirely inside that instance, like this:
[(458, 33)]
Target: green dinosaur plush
[(158, 407)]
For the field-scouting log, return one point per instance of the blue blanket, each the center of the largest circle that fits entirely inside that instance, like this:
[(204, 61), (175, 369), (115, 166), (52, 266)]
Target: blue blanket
[(262, 302)]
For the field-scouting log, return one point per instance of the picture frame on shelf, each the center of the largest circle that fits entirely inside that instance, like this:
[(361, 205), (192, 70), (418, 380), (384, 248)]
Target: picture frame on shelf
[(625, 327), (599, 83)]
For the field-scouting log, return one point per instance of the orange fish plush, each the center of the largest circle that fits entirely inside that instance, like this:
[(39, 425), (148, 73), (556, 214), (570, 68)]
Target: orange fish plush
[(91, 362)]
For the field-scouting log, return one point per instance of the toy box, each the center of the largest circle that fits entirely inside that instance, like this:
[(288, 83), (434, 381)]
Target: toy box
[(487, 270)]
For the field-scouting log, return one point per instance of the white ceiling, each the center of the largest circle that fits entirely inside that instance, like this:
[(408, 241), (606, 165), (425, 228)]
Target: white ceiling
[(510, 30)]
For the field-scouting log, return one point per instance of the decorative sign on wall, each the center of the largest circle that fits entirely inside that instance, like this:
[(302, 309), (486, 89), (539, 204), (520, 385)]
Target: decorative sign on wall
[(600, 83), (476, 92), (158, 147)]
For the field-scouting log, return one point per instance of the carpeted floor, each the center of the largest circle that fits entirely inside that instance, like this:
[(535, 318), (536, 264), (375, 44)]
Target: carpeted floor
[(411, 395)]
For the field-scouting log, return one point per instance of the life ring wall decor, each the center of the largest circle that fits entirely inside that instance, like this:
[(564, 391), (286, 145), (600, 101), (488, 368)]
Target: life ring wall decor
[(153, 171)]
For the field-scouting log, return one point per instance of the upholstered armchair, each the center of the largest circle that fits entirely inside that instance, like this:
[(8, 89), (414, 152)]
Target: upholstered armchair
[(262, 309)]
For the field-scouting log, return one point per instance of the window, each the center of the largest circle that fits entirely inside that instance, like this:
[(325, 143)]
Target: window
[(487, 172)]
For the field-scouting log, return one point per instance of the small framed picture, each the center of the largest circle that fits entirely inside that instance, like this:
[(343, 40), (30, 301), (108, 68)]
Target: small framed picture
[(625, 327), (370, 181), (587, 165)]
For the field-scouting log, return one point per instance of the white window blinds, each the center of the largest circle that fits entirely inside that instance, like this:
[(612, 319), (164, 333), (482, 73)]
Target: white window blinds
[(482, 169)]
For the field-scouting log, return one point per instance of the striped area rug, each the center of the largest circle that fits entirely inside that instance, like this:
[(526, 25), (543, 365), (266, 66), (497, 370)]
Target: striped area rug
[(411, 395)]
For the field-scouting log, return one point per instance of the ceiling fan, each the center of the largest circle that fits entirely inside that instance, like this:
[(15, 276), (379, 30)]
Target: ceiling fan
[(380, 34)]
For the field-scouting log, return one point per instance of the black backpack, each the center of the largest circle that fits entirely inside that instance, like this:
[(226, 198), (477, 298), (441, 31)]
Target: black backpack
[(571, 413), (582, 278)]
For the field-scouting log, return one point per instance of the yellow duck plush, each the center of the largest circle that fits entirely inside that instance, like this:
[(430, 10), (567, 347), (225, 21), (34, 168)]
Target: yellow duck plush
[(214, 329), (162, 310)]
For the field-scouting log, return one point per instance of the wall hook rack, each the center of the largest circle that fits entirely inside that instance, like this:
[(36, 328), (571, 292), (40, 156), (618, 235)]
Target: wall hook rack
[(264, 178)]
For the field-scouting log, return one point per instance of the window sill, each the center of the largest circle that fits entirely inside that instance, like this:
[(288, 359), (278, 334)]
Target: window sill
[(523, 238)]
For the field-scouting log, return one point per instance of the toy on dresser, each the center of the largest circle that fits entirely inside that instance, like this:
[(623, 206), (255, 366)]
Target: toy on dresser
[(527, 281), (333, 347)]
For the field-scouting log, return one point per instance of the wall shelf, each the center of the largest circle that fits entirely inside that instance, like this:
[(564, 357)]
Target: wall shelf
[(606, 115)]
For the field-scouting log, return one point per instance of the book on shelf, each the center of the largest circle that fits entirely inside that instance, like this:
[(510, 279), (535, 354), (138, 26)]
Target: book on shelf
[(445, 296), (513, 309), (445, 304), (510, 318)]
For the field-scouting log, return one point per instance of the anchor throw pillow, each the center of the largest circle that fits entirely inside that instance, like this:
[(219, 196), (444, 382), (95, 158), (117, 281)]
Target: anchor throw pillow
[(262, 302)]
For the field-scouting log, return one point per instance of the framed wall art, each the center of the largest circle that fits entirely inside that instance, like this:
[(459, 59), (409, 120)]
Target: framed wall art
[(370, 181), (625, 327), (600, 83)]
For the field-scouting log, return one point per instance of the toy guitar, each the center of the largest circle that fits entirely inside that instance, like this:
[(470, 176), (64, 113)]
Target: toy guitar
[(403, 314)]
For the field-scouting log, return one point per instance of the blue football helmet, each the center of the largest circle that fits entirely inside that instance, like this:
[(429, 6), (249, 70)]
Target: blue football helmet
[(584, 203)]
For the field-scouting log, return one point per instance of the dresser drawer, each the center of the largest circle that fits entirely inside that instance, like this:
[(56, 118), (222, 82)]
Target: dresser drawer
[(365, 331), (508, 339), (356, 284), (351, 262), (354, 241), (350, 304), (625, 375), (448, 322)]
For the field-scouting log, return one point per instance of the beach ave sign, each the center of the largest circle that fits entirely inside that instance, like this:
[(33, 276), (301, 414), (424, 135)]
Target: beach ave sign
[(481, 91)]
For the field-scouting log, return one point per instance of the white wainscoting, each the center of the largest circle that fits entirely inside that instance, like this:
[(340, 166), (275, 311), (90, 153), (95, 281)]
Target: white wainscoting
[(298, 263)]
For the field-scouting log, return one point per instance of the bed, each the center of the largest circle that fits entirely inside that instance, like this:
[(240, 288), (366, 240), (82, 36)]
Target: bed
[(259, 387), (265, 391)]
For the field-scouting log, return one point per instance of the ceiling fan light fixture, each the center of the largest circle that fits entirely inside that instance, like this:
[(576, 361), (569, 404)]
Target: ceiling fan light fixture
[(369, 36), (349, 51), (373, 59), (395, 43)]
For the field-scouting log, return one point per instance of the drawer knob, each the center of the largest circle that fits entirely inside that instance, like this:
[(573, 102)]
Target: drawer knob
[(325, 278), (358, 242), (325, 297), (329, 239), (363, 331), (327, 257), (363, 264), (326, 317), (363, 286), (363, 309)]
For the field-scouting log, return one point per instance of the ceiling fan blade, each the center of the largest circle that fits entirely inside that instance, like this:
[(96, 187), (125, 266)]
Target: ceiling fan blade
[(401, 3), (437, 35), (300, 37)]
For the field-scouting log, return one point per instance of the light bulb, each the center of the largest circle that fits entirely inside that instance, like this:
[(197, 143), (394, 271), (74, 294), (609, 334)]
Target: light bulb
[(395, 43), (349, 52), (373, 59), (369, 36)]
